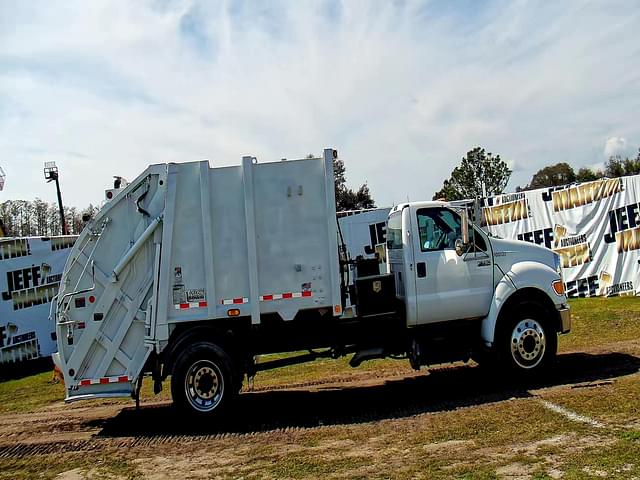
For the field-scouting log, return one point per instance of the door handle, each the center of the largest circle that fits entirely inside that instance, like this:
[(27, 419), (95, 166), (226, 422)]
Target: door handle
[(421, 269)]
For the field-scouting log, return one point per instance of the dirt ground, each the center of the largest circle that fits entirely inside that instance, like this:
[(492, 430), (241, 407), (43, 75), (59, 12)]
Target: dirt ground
[(452, 422)]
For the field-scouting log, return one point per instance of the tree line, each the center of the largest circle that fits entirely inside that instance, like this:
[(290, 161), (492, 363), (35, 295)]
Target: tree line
[(23, 218), (479, 174), (562, 173), (482, 174)]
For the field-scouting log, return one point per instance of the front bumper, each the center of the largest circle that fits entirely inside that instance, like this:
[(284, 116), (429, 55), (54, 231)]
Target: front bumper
[(565, 318)]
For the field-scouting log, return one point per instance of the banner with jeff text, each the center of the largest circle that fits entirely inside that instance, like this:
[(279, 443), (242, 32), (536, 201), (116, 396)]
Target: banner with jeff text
[(30, 272), (593, 226)]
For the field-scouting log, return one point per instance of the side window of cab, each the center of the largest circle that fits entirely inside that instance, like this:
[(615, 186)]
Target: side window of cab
[(394, 231), (438, 229)]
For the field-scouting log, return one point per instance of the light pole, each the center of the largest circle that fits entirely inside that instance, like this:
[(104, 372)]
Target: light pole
[(51, 173)]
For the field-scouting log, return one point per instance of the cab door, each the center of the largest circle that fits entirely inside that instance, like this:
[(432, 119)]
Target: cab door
[(448, 286)]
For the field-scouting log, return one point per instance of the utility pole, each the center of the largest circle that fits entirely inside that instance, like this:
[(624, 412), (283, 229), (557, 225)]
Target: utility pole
[(50, 174)]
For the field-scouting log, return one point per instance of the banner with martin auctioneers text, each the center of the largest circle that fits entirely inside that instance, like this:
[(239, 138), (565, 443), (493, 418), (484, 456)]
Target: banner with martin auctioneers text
[(593, 226)]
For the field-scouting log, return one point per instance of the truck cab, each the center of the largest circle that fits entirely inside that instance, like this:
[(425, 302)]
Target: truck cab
[(504, 297)]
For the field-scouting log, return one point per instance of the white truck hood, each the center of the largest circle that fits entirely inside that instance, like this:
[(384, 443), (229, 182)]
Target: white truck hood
[(508, 252)]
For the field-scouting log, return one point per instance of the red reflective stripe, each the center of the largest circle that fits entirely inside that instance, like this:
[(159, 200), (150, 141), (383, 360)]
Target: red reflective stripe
[(202, 304), (263, 298), (84, 383), (123, 378), (104, 380), (81, 325), (184, 305)]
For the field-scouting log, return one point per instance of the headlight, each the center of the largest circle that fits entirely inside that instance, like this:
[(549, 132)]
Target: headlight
[(557, 264)]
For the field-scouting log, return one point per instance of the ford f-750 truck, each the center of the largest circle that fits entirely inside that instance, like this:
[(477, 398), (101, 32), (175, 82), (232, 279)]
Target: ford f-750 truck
[(191, 272)]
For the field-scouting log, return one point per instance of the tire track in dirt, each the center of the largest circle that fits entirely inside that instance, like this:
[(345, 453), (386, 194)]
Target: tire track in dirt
[(21, 450)]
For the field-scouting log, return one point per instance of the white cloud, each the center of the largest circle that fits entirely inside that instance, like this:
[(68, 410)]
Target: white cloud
[(403, 90), (615, 146)]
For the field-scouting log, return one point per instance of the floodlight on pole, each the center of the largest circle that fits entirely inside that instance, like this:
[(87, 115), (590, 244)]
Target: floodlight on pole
[(51, 174)]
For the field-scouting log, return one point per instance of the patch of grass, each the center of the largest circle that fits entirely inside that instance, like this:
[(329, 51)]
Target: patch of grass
[(597, 321), (301, 465), (499, 424), (630, 435), (451, 444), (27, 468), (620, 460), (327, 369), (470, 443), (96, 465), (540, 476), (618, 402), (29, 393), (549, 450), (475, 473), (392, 460)]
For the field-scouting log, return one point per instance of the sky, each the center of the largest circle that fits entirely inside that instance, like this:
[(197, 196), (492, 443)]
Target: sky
[(401, 89)]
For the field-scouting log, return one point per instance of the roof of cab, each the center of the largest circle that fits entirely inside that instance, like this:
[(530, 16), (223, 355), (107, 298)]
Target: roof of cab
[(423, 204)]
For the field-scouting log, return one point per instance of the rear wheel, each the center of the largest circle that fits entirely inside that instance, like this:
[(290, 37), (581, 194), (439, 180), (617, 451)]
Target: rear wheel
[(202, 381), (526, 340)]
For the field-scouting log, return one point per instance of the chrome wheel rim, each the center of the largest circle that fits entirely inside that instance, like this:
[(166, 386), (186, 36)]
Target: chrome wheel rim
[(528, 343), (204, 386)]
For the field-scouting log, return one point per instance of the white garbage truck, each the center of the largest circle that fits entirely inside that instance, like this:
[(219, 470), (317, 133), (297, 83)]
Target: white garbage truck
[(191, 272)]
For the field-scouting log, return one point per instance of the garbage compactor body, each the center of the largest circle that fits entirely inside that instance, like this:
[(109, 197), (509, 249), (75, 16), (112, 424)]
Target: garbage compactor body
[(185, 243)]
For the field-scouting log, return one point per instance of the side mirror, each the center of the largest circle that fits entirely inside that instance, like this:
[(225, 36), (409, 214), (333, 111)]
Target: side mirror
[(464, 225), (462, 243)]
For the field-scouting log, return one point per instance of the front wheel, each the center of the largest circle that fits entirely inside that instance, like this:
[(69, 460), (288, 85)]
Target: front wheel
[(201, 382), (527, 342)]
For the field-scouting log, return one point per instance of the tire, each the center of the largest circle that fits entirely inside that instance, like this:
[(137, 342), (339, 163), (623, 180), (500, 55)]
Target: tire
[(202, 382), (527, 343)]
